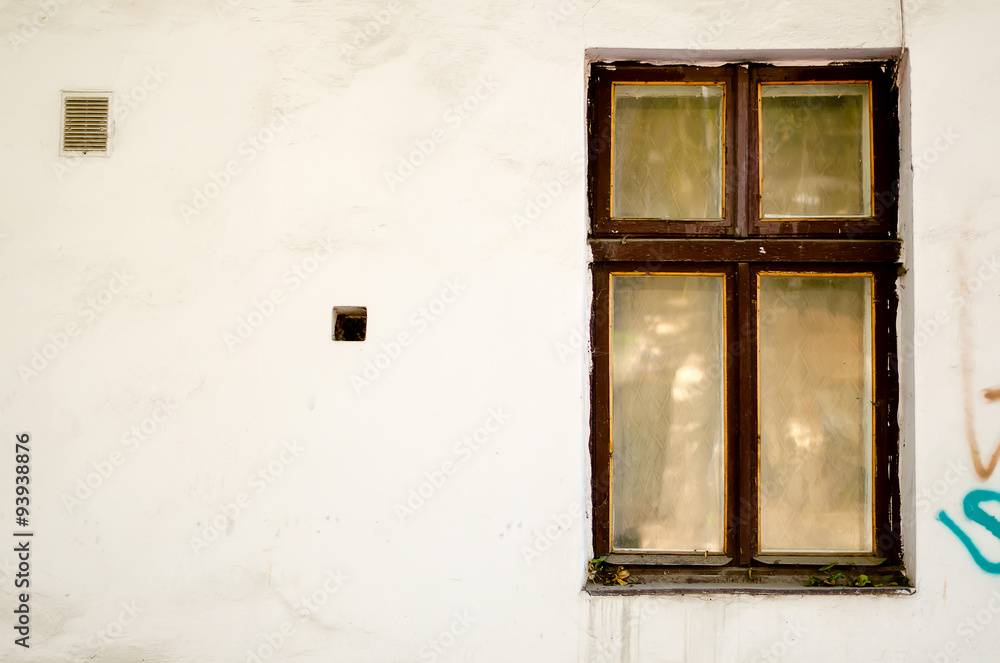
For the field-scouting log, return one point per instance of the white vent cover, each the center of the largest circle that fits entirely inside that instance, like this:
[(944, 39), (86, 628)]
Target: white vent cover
[(86, 124)]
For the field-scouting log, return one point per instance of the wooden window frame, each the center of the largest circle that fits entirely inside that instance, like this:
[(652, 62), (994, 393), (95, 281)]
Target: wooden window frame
[(742, 245), (602, 82)]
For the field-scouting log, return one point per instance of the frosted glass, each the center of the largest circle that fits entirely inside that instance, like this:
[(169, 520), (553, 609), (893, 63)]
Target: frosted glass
[(668, 151), (668, 420), (815, 150), (815, 409)]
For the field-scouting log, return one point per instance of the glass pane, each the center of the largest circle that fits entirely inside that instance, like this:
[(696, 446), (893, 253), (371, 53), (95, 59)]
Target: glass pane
[(815, 413), (667, 152), (815, 150), (668, 425)]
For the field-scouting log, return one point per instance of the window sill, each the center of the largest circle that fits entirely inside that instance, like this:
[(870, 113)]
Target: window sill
[(665, 588), (645, 581)]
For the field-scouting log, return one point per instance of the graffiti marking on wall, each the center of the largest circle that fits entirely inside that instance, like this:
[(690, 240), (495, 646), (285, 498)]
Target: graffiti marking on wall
[(972, 506), (974, 499)]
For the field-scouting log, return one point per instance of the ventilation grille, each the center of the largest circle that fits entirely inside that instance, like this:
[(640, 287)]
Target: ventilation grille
[(86, 124)]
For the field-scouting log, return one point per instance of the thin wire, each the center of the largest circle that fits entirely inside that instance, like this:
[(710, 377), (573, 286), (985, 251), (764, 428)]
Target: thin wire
[(902, 44), (902, 30)]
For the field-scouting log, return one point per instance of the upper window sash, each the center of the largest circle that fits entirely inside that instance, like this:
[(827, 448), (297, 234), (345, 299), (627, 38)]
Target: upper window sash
[(743, 151), (691, 114), (808, 108)]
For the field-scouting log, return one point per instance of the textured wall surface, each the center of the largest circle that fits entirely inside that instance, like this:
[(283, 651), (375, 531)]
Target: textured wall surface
[(214, 479)]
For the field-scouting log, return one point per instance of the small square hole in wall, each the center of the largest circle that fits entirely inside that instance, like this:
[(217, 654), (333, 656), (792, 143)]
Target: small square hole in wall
[(350, 323)]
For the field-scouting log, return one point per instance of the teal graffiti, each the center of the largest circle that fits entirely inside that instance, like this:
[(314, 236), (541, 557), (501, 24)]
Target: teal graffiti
[(974, 512)]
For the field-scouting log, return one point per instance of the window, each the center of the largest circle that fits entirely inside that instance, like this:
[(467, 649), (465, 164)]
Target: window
[(743, 229)]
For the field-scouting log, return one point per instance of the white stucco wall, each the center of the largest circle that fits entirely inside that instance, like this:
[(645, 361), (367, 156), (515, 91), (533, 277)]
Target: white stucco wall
[(145, 387)]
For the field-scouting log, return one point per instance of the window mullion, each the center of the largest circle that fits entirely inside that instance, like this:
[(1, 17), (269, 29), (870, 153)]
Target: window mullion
[(742, 151), (746, 474)]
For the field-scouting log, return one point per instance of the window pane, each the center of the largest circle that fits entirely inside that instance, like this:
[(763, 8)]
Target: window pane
[(668, 422), (667, 151), (815, 413), (815, 150)]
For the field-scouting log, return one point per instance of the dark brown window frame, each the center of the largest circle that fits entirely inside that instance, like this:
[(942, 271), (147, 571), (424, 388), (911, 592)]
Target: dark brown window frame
[(742, 245)]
